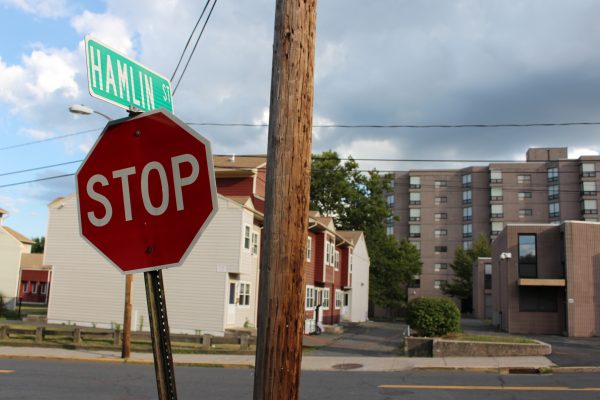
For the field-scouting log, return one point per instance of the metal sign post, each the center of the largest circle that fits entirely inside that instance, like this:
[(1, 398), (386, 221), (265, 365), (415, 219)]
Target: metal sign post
[(161, 340)]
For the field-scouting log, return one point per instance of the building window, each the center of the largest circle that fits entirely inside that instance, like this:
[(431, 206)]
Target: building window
[(497, 211), (34, 287), (467, 213), (338, 299), (440, 216), (414, 198), (414, 214), (589, 207), (527, 256), (254, 243), (232, 292), (553, 174), (415, 282), (417, 244), (553, 210), (523, 179), (467, 197), (467, 230), (467, 244), (351, 258), (438, 284), (325, 299), (440, 266), (414, 231), (525, 212), (44, 287), (244, 294), (25, 286), (588, 169), (487, 276), (440, 232), (552, 192), (495, 176), (524, 195), (390, 200), (441, 249), (310, 297), (392, 183), (336, 263), (440, 183), (389, 230), (247, 237), (415, 182), (308, 248), (538, 299), (440, 199), (496, 193), (466, 180), (497, 227), (588, 188)]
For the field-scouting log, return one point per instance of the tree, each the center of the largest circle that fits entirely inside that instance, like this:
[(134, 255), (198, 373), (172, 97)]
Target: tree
[(38, 244), (461, 286), (355, 200)]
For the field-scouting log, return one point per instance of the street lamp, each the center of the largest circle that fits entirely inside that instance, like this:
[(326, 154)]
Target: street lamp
[(85, 110), (503, 256)]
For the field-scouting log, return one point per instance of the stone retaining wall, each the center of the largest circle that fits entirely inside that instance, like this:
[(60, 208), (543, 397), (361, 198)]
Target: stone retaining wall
[(433, 347)]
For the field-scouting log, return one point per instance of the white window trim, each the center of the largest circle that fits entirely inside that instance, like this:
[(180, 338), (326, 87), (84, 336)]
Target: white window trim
[(336, 262), (44, 288), (240, 287), (25, 287), (326, 290), (247, 238), (308, 248), (309, 289), (338, 299), (254, 243)]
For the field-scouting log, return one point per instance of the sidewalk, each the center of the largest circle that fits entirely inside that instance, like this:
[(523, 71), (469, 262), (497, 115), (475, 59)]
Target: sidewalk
[(309, 363)]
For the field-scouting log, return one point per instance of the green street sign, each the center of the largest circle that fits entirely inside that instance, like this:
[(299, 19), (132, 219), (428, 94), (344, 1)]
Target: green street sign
[(115, 78)]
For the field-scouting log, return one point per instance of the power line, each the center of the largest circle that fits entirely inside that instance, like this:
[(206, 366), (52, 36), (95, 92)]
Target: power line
[(412, 126), (35, 180), (14, 146), (39, 168)]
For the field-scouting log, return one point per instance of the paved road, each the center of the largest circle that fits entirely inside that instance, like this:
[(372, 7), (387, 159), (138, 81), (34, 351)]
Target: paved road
[(68, 380), (573, 352)]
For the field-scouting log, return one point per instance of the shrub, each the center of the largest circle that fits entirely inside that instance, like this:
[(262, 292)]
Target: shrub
[(433, 316)]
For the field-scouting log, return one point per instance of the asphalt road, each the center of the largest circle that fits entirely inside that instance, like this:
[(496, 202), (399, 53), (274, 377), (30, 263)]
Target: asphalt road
[(64, 380)]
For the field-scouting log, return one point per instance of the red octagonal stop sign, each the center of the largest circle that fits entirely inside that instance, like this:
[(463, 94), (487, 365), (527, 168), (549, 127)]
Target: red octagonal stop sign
[(146, 191)]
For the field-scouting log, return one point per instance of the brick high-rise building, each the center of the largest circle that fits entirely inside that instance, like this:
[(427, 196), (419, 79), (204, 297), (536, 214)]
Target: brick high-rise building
[(441, 209)]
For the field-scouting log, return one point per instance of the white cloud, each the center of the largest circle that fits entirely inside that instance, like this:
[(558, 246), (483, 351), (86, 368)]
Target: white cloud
[(362, 149), (107, 28), (576, 152), (41, 8), (37, 133)]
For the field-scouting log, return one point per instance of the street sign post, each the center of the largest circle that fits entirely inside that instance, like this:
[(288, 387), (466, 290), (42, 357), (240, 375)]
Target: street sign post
[(119, 80), (145, 193)]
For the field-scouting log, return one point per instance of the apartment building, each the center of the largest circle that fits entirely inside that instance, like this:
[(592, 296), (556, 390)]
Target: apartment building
[(442, 209)]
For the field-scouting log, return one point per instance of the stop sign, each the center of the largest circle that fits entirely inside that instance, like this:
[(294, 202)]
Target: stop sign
[(146, 191)]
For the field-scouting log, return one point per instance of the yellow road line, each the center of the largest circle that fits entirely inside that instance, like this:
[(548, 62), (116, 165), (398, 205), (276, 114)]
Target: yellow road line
[(513, 388), (6, 371)]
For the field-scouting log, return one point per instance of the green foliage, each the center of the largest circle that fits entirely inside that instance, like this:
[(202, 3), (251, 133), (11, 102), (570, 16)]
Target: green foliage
[(433, 316), (38, 244)]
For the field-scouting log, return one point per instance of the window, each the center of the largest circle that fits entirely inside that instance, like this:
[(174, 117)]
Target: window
[(247, 237), (496, 193), (415, 182), (415, 282), (589, 207), (34, 287), (523, 179), (351, 259), (389, 230), (439, 284), (44, 287), (466, 180), (495, 176), (467, 213), (588, 169), (310, 297), (467, 230), (414, 214), (524, 195), (392, 183), (390, 200), (232, 292), (553, 210), (440, 183), (467, 244), (308, 248), (336, 263), (414, 231), (338, 299), (417, 244), (527, 256), (497, 211), (552, 192), (487, 276), (440, 216), (327, 251), (588, 188), (525, 212), (325, 300), (538, 299), (25, 286), (441, 249), (254, 243), (244, 294), (440, 266), (440, 199), (467, 197), (553, 174), (497, 227), (440, 232), (414, 198)]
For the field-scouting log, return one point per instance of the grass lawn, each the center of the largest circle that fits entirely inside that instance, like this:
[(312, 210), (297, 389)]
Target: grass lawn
[(489, 338)]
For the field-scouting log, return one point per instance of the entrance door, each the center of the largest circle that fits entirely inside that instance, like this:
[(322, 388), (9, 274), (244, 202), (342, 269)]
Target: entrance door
[(231, 307), (346, 306)]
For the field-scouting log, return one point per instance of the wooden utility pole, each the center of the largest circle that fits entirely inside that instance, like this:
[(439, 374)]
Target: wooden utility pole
[(126, 349), (281, 291)]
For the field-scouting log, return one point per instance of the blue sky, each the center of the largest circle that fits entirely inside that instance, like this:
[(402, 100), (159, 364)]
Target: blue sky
[(383, 62)]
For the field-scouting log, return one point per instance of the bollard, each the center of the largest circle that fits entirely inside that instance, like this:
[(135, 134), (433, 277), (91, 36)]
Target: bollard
[(117, 338), (39, 334), (206, 341), (77, 335)]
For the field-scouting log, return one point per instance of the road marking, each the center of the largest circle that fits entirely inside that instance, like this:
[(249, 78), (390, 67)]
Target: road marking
[(513, 388), (6, 371)]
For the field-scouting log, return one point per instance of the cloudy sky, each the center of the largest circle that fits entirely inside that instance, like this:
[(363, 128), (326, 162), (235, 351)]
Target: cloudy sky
[(378, 62)]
